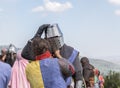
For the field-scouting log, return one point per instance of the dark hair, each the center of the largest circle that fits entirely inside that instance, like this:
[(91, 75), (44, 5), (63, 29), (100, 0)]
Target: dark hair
[(53, 45), (84, 60), (39, 46), (98, 72), (0, 57)]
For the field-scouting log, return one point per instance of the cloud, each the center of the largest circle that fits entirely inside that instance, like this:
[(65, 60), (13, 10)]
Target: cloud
[(38, 9), (57, 7), (117, 12), (115, 2), (51, 6), (1, 10)]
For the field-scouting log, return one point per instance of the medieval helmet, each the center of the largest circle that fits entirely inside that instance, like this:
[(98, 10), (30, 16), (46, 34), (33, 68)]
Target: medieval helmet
[(12, 48), (54, 36)]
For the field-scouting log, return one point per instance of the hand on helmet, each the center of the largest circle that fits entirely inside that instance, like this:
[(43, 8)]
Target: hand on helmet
[(41, 29), (57, 54)]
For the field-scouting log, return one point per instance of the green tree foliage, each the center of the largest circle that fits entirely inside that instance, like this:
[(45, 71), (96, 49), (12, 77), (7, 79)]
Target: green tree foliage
[(112, 80)]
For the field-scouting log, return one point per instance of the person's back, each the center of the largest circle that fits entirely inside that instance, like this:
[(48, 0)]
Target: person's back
[(55, 37), (54, 77), (5, 72), (88, 72), (96, 78), (18, 76), (101, 80), (46, 72), (26, 53)]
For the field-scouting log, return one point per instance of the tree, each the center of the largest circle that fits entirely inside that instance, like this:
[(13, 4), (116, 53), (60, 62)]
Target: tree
[(112, 80)]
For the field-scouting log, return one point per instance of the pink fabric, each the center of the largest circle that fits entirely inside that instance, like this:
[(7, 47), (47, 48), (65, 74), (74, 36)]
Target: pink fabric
[(18, 76), (101, 79)]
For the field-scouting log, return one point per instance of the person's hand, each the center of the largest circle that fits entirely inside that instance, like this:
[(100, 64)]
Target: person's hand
[(41, 29), (57, 54), (4, 57)]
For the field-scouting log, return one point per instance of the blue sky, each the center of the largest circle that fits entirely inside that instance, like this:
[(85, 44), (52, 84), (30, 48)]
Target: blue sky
[(90, 26)]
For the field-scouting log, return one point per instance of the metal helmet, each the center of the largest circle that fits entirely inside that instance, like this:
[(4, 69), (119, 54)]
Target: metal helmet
[(54, 35), (12, 48)]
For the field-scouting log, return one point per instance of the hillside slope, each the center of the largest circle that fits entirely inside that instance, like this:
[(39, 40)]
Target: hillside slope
[(105, 66)]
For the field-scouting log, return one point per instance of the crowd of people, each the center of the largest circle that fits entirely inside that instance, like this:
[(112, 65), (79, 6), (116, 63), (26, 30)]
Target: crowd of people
[(47, 62)]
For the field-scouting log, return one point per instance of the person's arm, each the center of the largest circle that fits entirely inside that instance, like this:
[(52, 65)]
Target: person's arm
[(57, 54), (8, 75), (41, 29), (27, 51), (3, 57), (66, 67), (78, 73)]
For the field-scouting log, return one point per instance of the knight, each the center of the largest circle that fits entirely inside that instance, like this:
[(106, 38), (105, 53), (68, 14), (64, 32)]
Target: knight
[(11, 55), (54, 35)]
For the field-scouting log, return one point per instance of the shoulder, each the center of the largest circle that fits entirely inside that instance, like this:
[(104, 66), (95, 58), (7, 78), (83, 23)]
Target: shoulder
[(2, 64), (6, 68)]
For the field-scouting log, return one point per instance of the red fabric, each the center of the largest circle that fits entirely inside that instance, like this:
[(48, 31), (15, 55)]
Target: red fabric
[(96, 71), (43, 56), (71, 69), (101, 78)]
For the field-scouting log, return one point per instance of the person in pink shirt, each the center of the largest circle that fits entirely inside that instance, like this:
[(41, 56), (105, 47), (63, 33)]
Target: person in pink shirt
[(18, 76), (101, 80)]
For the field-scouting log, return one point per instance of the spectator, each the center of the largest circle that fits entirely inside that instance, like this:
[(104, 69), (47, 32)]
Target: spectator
[(101, 80), (11, 55), (47, 72), (18, 76), (96, 79), (88, 71), (66, 52), (5, 72), (55, 37), (3, 54)]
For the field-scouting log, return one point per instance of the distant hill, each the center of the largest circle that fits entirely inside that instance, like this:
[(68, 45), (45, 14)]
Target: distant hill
[(114, 59), (105, 66)]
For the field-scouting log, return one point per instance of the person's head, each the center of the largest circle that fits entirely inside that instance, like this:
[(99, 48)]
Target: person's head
[(84, 60), (39, 46), (3, 51), (96, 71), (12, 49), (54, 35)]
